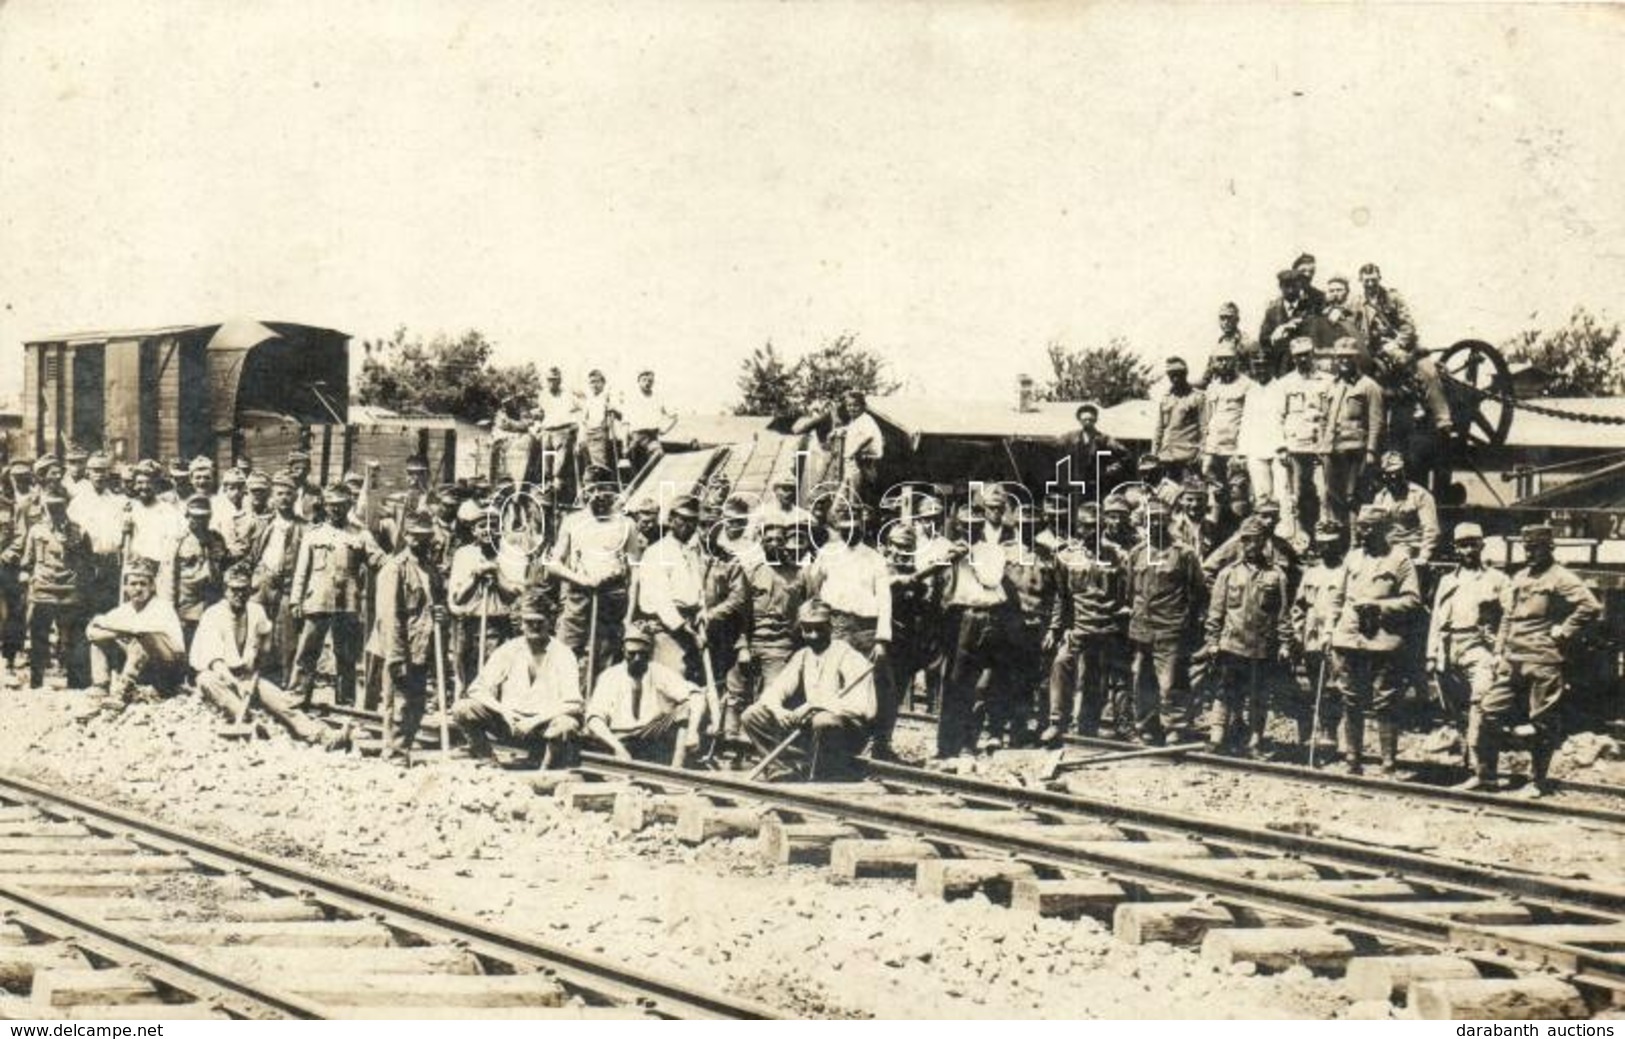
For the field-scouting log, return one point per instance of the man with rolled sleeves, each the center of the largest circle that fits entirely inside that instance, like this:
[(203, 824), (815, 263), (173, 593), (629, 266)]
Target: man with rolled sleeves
[(592, 558), (530, 691), (671, 591), (410, 606), (137, 647), (151, 525), (977, 627), (1380, 595), (100, 513), (1086, 627), (1177, 439), (326, 595), (827, 687), (1249, 641), (641, 710), (1544, 609), (851, 580), (228, 510), (1461, 636), (1167, 594), (1354, 414)]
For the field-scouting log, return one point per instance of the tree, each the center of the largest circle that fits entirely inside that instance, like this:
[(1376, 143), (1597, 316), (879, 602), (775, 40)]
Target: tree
[(1107, 374), (443, 376), (1582, 359), (768, 387)]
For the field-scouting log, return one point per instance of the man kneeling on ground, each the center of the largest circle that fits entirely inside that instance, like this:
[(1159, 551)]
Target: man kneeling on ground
[(638, 706), (233, 637), (137, 647), (529, 691), (835, 687)]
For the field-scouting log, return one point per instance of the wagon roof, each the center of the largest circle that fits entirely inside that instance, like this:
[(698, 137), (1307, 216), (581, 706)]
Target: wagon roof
[(233, 333), (923, 417)]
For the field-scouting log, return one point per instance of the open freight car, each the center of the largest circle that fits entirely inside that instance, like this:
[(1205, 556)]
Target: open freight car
[(179, 391)]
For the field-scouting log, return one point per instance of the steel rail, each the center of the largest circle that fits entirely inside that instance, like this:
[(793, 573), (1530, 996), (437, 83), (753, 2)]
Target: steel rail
[(583, 972), (1501, 804), (153, 960), (1600, 970)]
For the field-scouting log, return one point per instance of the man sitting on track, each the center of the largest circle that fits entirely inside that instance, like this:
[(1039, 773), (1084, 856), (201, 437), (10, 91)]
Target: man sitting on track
[(529, 691), (233, 637), (137, 645), (835, 687), (638, 706)]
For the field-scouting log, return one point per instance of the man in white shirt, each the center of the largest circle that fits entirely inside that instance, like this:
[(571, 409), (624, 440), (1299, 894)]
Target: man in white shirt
[(99, 512), (529, 691), (827, 687), (638, 706), (862, 447), (647, 419), (137, 645), (782, 508), (671, 591), (591, 559), (152, 526), (232, 639), (852, 581), (595, 413)]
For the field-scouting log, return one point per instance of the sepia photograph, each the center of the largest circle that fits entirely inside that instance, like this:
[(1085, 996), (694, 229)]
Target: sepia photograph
[(927, 510)]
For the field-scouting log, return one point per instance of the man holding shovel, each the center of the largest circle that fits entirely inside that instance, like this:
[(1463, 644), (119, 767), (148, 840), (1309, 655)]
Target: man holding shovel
[(832, 688)]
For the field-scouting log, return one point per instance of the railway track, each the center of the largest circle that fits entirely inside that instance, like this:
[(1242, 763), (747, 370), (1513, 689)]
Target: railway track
[(1430, 781), (1448, 938), (111, 915)]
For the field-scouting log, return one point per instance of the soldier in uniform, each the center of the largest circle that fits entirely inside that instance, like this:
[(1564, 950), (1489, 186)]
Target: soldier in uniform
[(1193, 525), (1085, 627), (1543, 610), (55, 561), (647, 420), (326, 595), (257, 512), (197, 569), (1384, 317), (1411, 510), (1381, 593), (1118, 523), (1301, 398), (229, 648), (307, 497), (481, 595), (775, 587), (1341, 320), (1278, 551), (642, 710), (1461, 636), (75, 476), (1315, 609), (596, 414), (826, 687), (1249, 640), (1177, 439), (1225, 396), (137, 645), (1231, 335), (409, 610), (151, 526), (1030, 572), (274, 555), (1353, 431), (1167, 594)]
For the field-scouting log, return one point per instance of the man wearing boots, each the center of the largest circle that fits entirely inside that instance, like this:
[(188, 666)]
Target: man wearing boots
[(327, 592), (1542, 612), (1461, 636), (410, 606), (1315, 608), (1167, 593), (1085, 627), (774, 590), (1249, 639), (1381, 593)]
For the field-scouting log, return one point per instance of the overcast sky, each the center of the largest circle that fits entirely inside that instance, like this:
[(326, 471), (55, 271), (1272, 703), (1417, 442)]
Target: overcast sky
[(676, 182)]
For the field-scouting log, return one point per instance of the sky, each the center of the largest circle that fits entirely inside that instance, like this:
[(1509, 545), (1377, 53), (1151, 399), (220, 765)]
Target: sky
[(674, 183)]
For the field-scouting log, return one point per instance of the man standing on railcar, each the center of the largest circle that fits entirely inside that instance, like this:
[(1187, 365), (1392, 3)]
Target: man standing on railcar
[(1544, 609)]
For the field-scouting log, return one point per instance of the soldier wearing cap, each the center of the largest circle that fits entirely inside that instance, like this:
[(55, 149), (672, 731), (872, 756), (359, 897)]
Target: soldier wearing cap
[(671, 591), (1096, 457), (556, 417), (1167, 594), (1411, 510), (55, 562), (642, 710), (644, 512), (228, 511), (1031, 574), (1315, 608), (1086, 627), (1278, 551), (596, 413), (592, 558), (775, 586), (137, 647), (529, 691), (1181, 411), (273, 555), (976, 602), (1544, 609), (198, 566), (408, 612), (47, 476), (826, 687), (327, 593), (1461, 635), (73, 473), (1193, 524), (229, 651), (1249, 641), (1301, 399), (1231, 336), (1383, 315), (200, 477), (1417, 419), (1117, 523), (1224, 399), (173, 485), (783, 507), (257, 511), (480, 596), (307, 497), (916, 615), (1354, 416), (1381, 593)]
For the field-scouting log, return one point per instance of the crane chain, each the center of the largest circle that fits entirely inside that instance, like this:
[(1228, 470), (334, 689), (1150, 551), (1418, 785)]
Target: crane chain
[(1538, 409)]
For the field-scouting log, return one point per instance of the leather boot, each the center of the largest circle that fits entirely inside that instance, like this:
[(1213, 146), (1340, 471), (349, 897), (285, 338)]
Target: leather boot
[(1219, 729), (1354, 740), (1388, 746)]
